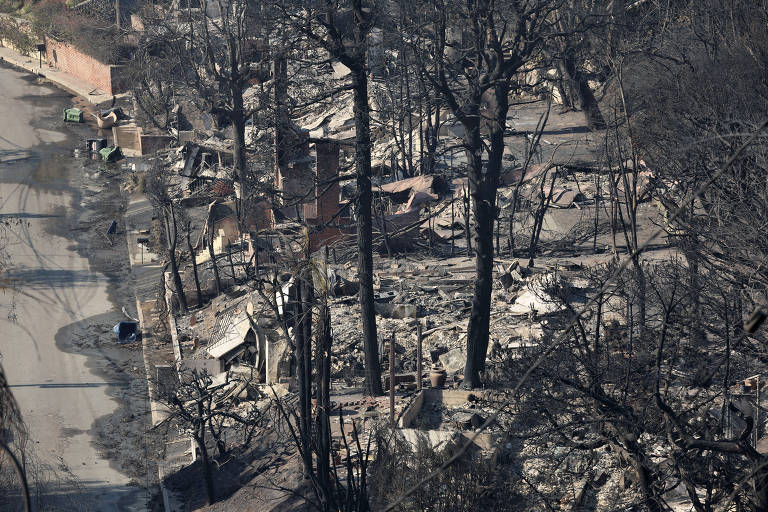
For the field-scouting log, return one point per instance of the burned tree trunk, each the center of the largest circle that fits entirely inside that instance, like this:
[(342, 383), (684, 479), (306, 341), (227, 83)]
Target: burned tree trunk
[(538, 220), (580, 86), (188, 229), (171, 234), (238, 152), (303, 343), (483, 188), (323, 348), (354, 56), (365, 231), (199, 436), (212, 255)]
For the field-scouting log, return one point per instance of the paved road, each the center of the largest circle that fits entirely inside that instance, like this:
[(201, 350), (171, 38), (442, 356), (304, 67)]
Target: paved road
[(59, 395)]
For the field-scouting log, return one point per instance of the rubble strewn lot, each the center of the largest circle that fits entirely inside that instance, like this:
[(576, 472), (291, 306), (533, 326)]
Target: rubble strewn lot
[(412, 256), (438, 261), (241, 339), (423, 282)]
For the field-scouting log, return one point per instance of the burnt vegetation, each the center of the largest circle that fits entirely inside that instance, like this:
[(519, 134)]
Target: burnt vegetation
[(562, 203)]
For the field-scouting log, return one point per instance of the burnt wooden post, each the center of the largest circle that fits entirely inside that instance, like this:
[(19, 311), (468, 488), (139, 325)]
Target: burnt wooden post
[(429, 228), (757, 409), (303, 342), (324, 347), (231, 263), (511, 239), (418, 356), (466, 223), (392, 380), (453, 220), (256, 255)]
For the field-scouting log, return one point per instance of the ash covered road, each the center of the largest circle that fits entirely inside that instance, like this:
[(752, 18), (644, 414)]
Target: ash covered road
[(80, 396)]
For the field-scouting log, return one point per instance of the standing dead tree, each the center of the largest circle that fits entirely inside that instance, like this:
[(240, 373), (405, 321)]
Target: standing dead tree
[(470, 53), (299, 302), (343, 32), (206, 409), (581, 25), (158, 190), (210, 50), (187, 228)]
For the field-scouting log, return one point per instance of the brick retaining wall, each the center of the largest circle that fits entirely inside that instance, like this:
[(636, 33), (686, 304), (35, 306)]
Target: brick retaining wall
[(65, 57)]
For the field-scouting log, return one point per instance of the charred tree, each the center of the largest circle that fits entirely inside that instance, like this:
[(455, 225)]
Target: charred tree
[(323, 347), (193, 257), (343, 32), (172, 237), (475, 51), (157, 190)]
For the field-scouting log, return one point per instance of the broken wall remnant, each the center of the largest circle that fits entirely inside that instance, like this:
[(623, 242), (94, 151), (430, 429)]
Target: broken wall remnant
[(240, 337), (222, 220), (134, 142), (457, 416), (128, 138)]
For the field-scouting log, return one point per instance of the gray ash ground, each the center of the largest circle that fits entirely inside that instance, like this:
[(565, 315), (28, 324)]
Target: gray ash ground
[(122, 436)]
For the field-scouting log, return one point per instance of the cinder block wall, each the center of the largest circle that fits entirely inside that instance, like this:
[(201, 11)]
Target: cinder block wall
[(67, 58)]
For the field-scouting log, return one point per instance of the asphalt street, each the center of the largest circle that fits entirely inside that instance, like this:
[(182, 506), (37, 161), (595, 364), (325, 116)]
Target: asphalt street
[(48, 292)]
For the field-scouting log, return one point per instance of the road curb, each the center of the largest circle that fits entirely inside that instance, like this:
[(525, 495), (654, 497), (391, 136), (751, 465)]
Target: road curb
[(171, 502)]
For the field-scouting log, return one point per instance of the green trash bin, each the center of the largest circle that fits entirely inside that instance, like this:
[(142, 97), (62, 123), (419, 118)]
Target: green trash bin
[(73, 115), (111, 154)]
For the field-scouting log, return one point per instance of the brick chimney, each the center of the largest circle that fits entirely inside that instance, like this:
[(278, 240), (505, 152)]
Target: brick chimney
[(327, 200)]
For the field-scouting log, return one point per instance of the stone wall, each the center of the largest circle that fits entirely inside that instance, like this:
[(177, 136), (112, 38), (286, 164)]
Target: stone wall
[(17, 34)]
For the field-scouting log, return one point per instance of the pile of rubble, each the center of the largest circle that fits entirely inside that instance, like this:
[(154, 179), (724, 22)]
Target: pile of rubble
[(437, 294)]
